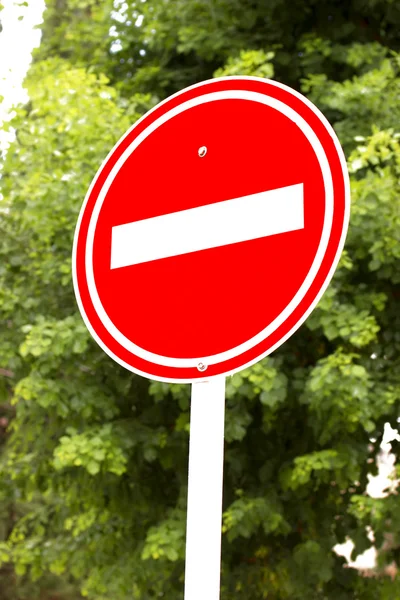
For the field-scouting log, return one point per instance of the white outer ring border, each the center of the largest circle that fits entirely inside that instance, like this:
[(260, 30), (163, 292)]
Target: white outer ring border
[(346, 218), (308, 280)]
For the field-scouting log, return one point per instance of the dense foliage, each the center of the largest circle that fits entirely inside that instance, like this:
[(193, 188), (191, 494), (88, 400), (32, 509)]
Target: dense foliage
[(93, 472)]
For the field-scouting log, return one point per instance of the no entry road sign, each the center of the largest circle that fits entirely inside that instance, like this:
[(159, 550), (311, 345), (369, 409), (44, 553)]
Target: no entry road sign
[(206, 238), (211, 230)]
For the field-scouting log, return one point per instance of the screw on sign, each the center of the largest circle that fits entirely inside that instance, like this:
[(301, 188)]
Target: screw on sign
[(231, 180)]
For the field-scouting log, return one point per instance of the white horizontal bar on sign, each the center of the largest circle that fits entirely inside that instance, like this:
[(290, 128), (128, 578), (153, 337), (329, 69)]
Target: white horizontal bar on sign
[(210, 226)]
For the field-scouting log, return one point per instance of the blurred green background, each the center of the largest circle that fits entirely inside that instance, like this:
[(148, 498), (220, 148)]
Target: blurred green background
[(93, 459)]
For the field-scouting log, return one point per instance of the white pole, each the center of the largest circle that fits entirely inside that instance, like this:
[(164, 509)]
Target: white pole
[(204, 511)]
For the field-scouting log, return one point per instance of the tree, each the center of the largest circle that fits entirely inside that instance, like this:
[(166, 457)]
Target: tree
[(97, 455)]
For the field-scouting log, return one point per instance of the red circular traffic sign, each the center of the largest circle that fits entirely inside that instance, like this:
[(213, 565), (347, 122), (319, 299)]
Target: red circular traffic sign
[(211, 230)]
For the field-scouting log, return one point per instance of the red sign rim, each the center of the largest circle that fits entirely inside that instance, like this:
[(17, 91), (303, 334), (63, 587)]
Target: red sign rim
[(341, 209)]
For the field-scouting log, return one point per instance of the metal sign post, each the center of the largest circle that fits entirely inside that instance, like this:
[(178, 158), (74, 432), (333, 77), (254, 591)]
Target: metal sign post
[(204, 511)]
